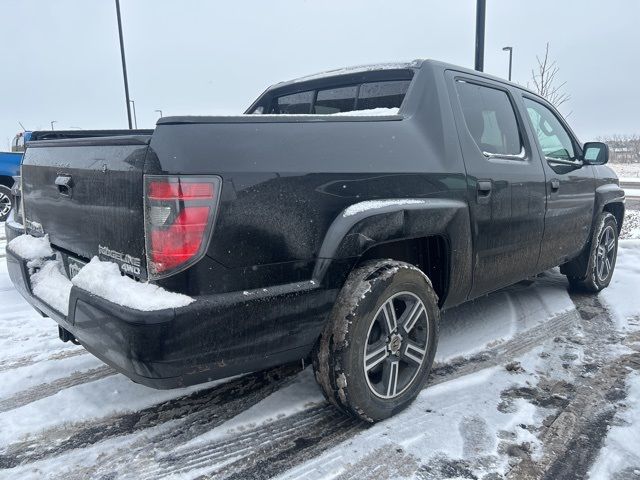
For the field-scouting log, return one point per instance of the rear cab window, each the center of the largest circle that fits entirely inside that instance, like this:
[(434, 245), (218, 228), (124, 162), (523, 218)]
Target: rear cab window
[(335, 100), (294, 104), (382, 94), (374, 90)]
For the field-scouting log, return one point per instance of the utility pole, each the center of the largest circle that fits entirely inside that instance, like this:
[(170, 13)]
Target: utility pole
[(124, 63), (135, 118), (480, 16), (510, 50)]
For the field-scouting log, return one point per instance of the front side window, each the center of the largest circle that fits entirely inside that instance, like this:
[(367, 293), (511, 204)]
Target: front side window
[(554, 139), (490, 118), (335, 100), (295, 103)]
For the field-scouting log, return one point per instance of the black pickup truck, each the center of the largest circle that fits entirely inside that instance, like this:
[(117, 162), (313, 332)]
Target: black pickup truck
[(334, 220)]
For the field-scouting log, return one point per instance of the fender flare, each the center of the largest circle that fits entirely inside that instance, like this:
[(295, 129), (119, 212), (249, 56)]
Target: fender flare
[(369, 223), (605, 195)]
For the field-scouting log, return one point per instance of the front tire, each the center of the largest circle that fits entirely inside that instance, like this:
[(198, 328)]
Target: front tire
[(5, 202), (377, 349), (602, 256)]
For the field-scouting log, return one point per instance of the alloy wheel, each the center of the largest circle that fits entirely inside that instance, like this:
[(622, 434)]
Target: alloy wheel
[(605, 253), (5, 204), (396, 345)]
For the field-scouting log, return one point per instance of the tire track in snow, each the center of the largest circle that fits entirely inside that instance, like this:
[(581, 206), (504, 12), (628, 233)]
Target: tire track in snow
[(29, 360), (574, 434), (522, 343), (251, 454), (305, 435), (47, 389), (265, 450), (198, 412)]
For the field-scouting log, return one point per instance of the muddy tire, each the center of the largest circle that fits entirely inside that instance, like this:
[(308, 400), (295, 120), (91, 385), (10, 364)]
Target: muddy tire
[(602, 256), (376, 352), (5, 202)]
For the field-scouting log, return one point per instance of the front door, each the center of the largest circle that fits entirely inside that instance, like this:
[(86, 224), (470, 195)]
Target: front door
[(506, 183), (570, 186)]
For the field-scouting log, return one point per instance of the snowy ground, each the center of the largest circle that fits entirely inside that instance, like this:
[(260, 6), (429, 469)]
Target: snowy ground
[(533, 381), (627, 170)]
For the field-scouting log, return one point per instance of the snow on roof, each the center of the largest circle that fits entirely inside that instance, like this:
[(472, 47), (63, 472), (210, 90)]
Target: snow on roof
[(357, 69)]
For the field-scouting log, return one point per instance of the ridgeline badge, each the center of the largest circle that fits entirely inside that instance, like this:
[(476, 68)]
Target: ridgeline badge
[(128, 263)]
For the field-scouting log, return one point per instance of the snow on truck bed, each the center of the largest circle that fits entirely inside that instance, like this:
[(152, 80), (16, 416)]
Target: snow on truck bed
[(50, 284), (371, 112)]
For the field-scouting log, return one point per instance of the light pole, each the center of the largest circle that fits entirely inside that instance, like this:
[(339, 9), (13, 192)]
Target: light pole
[(124, 63), (52, 122), (510, 50), (160, 112), (481, 6), (135, 119)]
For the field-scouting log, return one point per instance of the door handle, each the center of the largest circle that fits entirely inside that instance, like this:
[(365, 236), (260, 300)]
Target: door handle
[(484, 187), (555, 184), (64, 184)]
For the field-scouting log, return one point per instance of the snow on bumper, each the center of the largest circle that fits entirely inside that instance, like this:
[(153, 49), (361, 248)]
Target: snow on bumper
[(50, 284), (212, 337)]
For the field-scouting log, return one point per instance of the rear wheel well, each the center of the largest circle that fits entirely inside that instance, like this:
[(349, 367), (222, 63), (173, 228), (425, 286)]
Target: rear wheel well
[(429, 254), (6, 181), (617, 210)]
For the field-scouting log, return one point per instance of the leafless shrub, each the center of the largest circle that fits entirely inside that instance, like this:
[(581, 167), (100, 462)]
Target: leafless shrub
[(545, 81)]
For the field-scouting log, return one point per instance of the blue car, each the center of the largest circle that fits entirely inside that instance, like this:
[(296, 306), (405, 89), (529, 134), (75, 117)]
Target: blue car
[(9, 168)]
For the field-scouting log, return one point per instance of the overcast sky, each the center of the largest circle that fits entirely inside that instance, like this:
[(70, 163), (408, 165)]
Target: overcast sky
[(61, 61)]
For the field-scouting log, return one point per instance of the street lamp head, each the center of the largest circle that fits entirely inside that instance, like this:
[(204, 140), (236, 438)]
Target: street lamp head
[(507, 49)]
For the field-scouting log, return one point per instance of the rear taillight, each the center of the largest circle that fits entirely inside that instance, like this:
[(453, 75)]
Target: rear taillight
[(179, 217)]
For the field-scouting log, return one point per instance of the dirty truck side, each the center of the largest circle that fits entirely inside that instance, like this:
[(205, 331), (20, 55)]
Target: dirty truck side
[(336, 219)]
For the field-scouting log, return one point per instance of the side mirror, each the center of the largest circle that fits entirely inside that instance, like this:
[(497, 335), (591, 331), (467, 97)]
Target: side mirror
[(595, 153)]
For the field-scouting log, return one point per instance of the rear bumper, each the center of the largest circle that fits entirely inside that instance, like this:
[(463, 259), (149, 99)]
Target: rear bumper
[(215, 337)]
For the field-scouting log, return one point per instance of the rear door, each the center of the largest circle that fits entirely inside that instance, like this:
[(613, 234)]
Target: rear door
[(506, 184), (570, 185), (87, 195)]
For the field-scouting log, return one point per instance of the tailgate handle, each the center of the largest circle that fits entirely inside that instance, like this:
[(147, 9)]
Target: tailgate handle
[(64, 184)]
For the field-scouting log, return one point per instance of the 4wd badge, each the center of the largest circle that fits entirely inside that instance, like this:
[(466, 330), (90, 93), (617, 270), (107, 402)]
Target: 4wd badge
[(130, 265)]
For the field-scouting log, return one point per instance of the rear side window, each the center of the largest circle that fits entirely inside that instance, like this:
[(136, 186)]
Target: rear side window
[(382, 94), (490, 118), (294, 103), (336, 100)]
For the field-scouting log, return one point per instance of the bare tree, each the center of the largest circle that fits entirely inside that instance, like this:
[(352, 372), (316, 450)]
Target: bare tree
[(623, 148), (545, 81)]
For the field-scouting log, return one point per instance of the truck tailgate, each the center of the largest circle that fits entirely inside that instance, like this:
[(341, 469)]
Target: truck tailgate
[(87, 195)]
